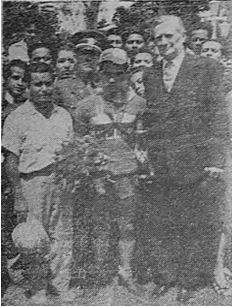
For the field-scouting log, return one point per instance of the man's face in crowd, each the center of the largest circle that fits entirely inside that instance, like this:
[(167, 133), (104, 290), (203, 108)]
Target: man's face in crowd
[(16, 82), (31, 31), (41, 88), (115, 41), (137, 83), (197, 39), (87, 60), (66, 62), (212, 50), (114, 78), (143, 59), (41, 55), (134, 42), (169, 40)]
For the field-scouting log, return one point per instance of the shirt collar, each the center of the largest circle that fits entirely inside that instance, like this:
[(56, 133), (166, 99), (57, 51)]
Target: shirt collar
[(34, 111), (131, 94), (177, 61), (9, 98)]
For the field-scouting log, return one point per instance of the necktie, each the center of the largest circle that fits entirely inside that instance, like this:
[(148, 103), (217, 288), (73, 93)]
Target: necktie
[(168, 74)]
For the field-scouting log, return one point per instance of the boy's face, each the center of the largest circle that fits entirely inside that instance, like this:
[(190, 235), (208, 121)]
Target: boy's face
[(114, 78), (115, 41), (137, 83), (198, 38), (16, 82), (134, 42), (143, 59), (212, 50), (41, 55)]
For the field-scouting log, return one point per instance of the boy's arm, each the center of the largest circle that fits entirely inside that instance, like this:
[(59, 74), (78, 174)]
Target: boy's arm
[(12, 171)]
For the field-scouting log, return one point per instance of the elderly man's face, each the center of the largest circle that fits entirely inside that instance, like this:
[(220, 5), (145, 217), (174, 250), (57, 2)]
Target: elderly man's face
[(143, 59), (212, 50), (198, 38), (169, 40), (134, 42)]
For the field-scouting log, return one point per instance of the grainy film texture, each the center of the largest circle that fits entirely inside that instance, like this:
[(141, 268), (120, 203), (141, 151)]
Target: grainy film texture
[(116, 153)]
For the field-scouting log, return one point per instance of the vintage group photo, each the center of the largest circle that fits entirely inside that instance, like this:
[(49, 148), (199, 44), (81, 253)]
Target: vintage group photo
[(116, 153)]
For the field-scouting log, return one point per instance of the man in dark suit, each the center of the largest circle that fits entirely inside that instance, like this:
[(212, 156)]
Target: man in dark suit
[(187, 138)]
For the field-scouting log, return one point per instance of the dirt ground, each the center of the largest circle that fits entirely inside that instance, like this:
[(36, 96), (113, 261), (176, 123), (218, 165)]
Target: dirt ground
[(115, 295)]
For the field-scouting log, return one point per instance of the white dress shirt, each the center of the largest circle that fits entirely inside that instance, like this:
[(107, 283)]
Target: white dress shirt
[(34, 138), (171, 69)]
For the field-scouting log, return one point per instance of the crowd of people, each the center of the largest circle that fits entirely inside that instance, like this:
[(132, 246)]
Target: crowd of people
[(158, 109)]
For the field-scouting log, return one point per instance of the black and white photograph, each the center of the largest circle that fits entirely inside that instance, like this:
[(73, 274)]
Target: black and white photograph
[(116, 162)]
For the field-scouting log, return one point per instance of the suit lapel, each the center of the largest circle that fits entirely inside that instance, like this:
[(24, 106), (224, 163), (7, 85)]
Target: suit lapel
[(171, 99), (184, 71), (157, 92)]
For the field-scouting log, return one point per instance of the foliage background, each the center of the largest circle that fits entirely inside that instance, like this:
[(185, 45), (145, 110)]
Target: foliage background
[(72, 16)]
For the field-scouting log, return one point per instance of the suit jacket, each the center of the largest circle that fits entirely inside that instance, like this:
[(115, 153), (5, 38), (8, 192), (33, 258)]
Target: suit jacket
[(188, 127)]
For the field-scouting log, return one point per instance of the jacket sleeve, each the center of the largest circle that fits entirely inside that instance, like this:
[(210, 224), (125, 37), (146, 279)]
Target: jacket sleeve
[(219, 123)]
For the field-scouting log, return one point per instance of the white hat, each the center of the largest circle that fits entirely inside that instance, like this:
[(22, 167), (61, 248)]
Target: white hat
[(18, 51)]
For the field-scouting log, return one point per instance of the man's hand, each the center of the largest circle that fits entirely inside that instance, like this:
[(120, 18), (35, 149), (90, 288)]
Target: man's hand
[(214, 172)]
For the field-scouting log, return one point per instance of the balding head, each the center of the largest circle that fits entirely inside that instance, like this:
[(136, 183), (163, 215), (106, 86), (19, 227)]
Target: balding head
[(169, 34), (171, 20)]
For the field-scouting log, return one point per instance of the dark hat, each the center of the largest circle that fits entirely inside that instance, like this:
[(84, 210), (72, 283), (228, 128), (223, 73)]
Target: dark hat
[(89, 40)]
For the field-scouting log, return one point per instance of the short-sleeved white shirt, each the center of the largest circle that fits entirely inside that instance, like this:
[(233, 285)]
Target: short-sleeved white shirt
[(34, 138)]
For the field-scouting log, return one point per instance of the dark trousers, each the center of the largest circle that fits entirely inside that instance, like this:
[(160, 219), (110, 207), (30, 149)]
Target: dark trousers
[(178, 230), (8, 223)]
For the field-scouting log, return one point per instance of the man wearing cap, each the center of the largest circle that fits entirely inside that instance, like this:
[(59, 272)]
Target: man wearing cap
[(188, 136), (111, 116), (88, 45)]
